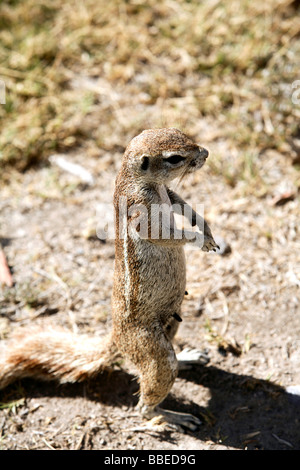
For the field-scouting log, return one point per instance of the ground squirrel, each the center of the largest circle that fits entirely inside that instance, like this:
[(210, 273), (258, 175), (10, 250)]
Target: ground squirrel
[(149, 283)]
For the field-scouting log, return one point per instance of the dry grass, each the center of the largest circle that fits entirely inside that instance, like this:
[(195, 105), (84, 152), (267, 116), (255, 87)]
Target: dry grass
[(94, 73)]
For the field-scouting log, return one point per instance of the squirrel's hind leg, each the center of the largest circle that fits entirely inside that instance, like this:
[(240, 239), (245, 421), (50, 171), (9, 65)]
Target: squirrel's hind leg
[(153, 354)]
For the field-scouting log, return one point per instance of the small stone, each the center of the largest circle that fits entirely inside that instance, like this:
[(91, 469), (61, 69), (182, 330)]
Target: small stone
[(293, 389), (293, 392)]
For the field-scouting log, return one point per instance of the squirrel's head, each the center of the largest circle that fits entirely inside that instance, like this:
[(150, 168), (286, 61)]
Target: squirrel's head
[(161, 155)]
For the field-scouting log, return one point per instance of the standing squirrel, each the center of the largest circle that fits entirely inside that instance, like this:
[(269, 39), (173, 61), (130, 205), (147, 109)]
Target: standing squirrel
[(149, 284)]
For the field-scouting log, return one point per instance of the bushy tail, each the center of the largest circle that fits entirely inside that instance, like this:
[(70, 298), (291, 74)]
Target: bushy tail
[(54, 354)]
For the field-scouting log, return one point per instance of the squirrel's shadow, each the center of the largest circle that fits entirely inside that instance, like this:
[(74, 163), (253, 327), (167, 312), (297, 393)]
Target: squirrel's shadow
[(243, 412)]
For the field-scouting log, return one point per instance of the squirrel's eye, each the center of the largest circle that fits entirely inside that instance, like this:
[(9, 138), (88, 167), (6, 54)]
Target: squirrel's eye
[(175, 159), (145, 163)]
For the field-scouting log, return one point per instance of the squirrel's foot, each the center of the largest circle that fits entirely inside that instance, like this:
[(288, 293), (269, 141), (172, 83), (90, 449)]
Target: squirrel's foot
[(189, 357), (168, 420)]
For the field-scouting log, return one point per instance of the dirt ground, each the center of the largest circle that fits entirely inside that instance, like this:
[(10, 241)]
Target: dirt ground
[(242, 307), (81, 79)]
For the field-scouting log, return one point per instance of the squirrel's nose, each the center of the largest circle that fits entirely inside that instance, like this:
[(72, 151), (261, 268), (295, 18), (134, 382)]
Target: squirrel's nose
[(203, 152)]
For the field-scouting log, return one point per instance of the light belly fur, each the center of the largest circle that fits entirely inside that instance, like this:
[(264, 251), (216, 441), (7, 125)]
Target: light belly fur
[(162, 277)]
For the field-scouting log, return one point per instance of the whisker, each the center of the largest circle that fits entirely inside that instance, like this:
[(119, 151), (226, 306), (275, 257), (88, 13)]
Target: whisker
[(180, 179)]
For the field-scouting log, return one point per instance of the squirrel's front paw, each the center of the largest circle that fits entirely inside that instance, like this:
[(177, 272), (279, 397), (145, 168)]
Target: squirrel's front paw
[(205, 242), (209, 244)]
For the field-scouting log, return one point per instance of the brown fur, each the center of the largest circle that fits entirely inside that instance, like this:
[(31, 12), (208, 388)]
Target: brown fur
[(149, 285)]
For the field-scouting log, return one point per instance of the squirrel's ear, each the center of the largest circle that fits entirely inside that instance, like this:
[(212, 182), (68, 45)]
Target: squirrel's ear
[(144, 163)]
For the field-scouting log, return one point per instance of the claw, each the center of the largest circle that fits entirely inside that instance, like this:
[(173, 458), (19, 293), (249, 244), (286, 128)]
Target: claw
[(165, 419), (209, 244), (180, 421)]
